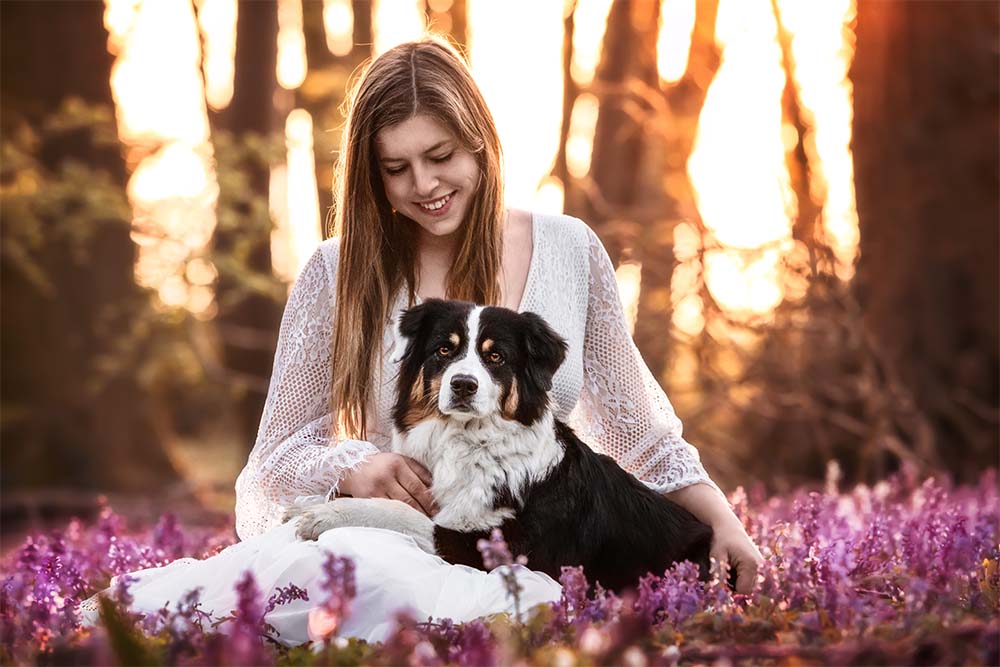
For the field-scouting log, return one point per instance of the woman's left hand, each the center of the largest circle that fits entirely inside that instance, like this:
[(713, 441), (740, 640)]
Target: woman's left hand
[(733, 552), (732, 549)]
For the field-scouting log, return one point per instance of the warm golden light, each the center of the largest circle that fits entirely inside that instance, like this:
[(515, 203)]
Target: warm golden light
[(159, 98), (156, 81), (550, 197), (822, 57), (674, 39), (338, 23), (628, 275), (295, 203), (395, 22), (523, 87), (217, 24), (580, 142), (291, 66), (738, 166), (589, 24)]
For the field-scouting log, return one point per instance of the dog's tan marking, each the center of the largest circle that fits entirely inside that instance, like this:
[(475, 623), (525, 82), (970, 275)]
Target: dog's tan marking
[(417, 390), (511, 402), (487, 345), (455, 339), (425, 407)]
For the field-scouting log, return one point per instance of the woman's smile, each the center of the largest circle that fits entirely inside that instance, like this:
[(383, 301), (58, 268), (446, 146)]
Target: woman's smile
[(427, 174)]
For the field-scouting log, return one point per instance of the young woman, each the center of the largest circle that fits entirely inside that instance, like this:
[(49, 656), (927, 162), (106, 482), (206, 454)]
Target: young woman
[(420, 214)]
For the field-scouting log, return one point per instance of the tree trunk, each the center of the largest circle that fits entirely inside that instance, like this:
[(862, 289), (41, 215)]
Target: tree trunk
[(925, 151), (68, 420), (665, 188), (242, 236)]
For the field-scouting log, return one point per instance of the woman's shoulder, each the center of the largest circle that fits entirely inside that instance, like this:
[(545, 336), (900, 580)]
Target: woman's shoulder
[(328, 252), (569, 232)]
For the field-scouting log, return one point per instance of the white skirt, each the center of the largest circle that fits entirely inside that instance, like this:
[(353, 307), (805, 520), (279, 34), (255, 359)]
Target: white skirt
[(392, 574)]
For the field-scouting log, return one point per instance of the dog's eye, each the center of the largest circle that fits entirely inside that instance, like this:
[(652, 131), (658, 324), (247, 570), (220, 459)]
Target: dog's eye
[(494, 358), (444, 350)]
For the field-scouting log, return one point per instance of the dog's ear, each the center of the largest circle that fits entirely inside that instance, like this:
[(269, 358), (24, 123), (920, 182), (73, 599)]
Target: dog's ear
[(412, 323), (546, 349)]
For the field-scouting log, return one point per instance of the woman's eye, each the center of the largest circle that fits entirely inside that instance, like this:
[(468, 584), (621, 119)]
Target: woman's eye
[(494, 358), (443, 158), (395, 170), (444, 351)]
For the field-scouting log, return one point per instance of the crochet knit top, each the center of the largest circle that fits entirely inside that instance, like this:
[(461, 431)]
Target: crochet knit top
[(603, 390)]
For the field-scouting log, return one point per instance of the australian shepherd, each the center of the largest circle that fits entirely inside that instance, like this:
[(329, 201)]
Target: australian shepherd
[(473, 406)]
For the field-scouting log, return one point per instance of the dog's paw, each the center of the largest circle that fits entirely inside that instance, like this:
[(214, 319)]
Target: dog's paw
[(316, 520), (296, 510)]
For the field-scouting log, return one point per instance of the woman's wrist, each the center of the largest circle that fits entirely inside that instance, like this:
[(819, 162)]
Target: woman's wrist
[(706, 502)]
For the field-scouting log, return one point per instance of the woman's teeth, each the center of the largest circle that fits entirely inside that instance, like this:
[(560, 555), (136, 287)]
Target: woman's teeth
[(437, 203)]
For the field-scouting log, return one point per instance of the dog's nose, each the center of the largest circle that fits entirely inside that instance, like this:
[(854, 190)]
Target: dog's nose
[(464, 386)]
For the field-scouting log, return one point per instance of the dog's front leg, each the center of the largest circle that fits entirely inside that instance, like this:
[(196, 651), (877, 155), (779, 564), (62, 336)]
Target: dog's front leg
[(366, 513)]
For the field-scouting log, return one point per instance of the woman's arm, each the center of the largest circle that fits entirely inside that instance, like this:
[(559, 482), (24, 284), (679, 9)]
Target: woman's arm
[(629, 417), (293, 456), (732, 548)]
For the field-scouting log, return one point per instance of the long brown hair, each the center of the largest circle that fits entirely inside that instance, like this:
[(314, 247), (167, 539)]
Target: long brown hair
[(377, 245)]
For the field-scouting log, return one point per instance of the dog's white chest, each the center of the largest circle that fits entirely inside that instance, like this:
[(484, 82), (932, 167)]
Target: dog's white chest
[(472, 461)]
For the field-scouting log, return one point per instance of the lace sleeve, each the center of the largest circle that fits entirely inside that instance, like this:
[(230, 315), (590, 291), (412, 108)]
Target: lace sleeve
[(622, 408), (293, 457)]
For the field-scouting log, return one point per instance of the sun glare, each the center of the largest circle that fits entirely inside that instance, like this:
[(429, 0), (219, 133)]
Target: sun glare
[(395, 22), (294, 200), (338, 24), (291, 64), (163, 123), (217, 26), (523, 87)]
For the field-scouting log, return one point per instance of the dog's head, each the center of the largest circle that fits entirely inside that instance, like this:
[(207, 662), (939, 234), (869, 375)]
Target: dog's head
[(467, 362)]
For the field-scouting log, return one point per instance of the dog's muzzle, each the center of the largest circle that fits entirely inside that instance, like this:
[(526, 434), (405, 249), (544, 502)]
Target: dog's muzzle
[(463, 390)]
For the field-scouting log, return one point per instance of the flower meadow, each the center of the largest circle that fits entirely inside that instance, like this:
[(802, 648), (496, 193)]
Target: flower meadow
[(905, 572)]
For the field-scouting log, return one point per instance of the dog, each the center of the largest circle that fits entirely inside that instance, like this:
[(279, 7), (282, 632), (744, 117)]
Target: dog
[(473, 406)]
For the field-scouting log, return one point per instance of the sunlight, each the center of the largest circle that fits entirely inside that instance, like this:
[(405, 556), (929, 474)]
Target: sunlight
[(395, 22), (737, 167), (523, 87), (822, 50), (589, 24), (628, 275), (674, 39), (294, 201), (217, 25), (291, 66), (160, 105), (338, 23)]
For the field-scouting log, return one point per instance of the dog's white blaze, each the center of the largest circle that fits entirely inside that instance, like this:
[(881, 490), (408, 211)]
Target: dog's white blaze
[(470, 459), (485, 400)]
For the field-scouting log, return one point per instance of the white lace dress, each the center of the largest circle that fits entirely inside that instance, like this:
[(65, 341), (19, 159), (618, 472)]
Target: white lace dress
[(603, 390)]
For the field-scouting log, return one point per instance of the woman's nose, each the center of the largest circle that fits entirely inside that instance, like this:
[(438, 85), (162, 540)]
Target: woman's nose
[(424, 181)]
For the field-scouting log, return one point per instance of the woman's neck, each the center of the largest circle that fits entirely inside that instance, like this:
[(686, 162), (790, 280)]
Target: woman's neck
[(435, 255)]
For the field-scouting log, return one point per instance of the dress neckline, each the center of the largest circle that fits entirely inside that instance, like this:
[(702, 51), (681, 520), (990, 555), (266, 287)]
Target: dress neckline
[(528, 282)]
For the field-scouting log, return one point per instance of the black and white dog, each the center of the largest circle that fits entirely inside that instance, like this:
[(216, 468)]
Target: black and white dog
[(473, 407)]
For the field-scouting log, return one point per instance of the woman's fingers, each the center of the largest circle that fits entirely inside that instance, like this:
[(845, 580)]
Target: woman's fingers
[(417, 480), (411, 491), (419, 470)]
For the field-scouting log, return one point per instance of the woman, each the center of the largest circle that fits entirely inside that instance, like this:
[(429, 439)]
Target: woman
[(420, 214)]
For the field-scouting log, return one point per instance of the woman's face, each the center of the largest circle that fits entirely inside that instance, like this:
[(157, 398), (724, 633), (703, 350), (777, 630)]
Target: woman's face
[(428, 176)]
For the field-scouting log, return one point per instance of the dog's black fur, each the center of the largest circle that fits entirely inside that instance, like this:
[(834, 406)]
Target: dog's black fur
[(588, 511)]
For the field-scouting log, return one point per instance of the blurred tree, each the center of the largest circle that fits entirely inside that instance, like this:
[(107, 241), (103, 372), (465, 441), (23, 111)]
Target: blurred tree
[(68, 290), (638, 189), (926, 87), (248, 295)]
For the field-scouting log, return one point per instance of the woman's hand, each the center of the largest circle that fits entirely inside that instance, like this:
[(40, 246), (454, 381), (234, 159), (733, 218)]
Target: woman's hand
[(393, 476), (733, 552), (732, 549)]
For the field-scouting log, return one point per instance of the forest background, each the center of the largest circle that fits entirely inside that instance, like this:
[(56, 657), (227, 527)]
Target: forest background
[(801, 199)]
